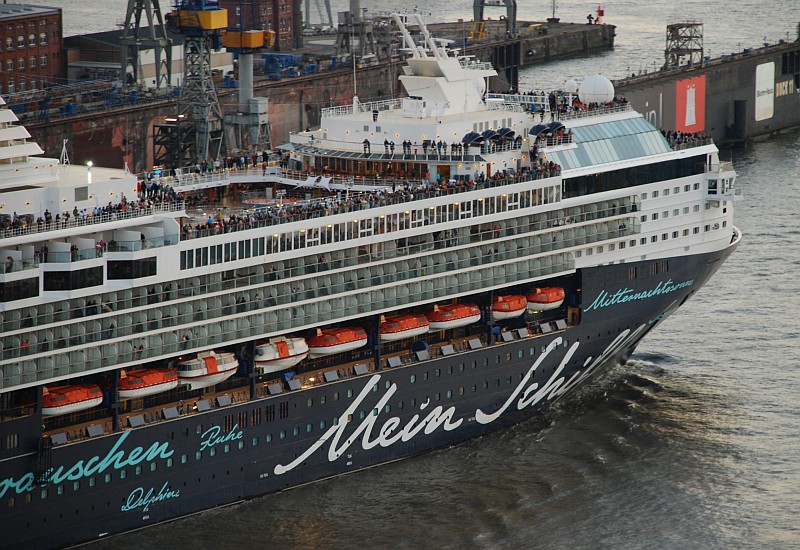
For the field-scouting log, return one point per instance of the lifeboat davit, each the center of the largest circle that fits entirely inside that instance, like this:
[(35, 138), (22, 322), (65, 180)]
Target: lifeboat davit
[(397, 327), (509, 307), (453, 316), (542, 299), (280, 353), (142, 382), (207, 369), (336, 340), (70, 399)]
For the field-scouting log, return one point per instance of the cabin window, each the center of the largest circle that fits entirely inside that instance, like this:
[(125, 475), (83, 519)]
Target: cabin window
[(73, 280), (133, 269), (19, 290)]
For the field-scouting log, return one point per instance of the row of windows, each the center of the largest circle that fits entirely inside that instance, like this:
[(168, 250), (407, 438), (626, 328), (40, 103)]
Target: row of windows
[(229, 252), (369, 227), (32, 41), (21, 63), (22, 85), (675, 191), (634, 176), (653, 239), (675, 212)]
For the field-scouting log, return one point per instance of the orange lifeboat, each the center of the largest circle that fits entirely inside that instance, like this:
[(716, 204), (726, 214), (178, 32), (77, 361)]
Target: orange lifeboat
[(542, 299), (141, 382), (70, 399), (336, 340), (509, 307), (397, 327), (453, 315)]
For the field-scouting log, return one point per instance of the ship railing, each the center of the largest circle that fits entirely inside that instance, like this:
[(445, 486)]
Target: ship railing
[(27, 350), (475, 65), (595, 110), (196, 180), (425, 151), (142, 244), (690, 142), (16, 266), (287, 212), (511, 107), (367, 107), (554, 140), (538, 101), (89, 220), (75, 255)]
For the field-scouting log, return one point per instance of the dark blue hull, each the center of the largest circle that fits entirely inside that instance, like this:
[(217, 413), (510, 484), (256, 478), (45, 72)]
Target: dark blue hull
[(142, 476)]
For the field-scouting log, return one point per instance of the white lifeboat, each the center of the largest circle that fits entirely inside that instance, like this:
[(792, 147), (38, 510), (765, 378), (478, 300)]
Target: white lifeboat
[(280, 353), (207, 369)]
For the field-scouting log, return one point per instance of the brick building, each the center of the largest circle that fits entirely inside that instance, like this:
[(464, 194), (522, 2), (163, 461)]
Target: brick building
[(30, 47), (275, 15)]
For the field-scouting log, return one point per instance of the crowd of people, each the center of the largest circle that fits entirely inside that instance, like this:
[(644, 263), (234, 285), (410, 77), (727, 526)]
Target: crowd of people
[(676, 139), (339, 203)]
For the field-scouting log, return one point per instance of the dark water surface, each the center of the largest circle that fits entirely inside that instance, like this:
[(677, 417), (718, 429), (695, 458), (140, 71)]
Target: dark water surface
[(692, 444)]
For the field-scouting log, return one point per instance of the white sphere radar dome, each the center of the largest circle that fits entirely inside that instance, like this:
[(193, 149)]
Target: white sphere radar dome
[(570, 86), (596, 89)]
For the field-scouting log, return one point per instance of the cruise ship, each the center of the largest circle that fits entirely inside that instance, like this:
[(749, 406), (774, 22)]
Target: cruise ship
[(416, 272)]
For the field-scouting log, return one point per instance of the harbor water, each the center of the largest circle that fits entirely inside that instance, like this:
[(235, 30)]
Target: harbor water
[(691, 444)]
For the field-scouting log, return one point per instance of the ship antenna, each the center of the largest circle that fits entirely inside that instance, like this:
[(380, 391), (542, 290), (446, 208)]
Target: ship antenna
[(63, 159)]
